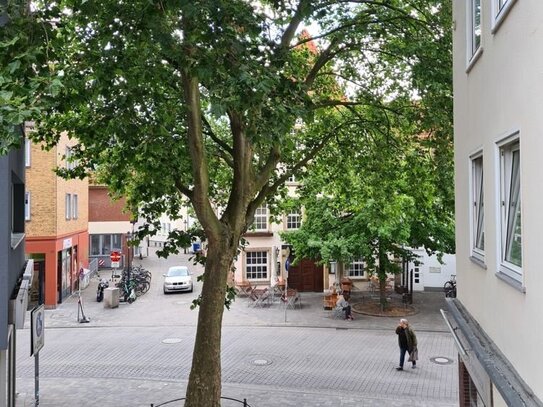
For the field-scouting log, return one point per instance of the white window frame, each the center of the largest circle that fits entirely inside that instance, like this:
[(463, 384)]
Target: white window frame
[(508, 152), (260, 222), (477, 213), (293, 219), (28, 147), (28, 201), (473, 51), (75, 206), (68, 206), (500, 9), (356, 269), (257, 265)]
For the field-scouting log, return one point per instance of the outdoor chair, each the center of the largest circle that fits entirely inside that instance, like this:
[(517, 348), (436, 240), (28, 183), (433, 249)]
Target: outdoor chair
[(292, 299)]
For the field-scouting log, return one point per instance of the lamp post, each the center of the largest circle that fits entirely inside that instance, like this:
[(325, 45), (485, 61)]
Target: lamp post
[(129, 240), (186, 222)]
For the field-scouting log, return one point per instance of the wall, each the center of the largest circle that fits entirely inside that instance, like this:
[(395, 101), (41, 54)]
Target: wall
[(500, 94), (11, 260), (42, 185), (103, 209)]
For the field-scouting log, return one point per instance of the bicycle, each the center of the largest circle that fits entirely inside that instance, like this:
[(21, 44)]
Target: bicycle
[(450, 287)]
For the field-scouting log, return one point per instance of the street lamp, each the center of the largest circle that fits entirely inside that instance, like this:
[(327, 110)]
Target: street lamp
[(186, 222), (129, 240), (278, 261)]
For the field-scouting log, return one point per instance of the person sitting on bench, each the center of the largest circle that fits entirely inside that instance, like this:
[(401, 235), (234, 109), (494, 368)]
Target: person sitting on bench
[(343, 304)]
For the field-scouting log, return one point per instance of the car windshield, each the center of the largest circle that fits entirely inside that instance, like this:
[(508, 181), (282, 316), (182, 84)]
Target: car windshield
[(178, 272)]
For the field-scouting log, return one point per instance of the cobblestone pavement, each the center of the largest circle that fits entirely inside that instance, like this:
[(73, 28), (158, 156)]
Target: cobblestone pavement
[(141, 353)]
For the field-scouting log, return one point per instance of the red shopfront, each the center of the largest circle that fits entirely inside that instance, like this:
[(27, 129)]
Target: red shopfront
[(63, 257)]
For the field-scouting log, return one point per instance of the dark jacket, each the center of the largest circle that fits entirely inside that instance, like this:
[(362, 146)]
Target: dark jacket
[(410, 335)]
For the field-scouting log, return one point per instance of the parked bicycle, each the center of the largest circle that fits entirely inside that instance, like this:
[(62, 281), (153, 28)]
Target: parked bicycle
[(135, 283), (450, 287)]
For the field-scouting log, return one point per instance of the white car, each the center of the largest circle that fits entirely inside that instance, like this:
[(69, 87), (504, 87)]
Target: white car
[(178, 278)]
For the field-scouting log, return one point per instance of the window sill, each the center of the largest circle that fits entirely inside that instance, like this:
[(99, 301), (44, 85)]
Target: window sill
[(478, 261), (474, 58), (16, 239), (497, 22), (517, 285), (258, 234)]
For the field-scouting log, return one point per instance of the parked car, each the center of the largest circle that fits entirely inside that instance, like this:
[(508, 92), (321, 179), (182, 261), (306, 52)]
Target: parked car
[(178, 278)]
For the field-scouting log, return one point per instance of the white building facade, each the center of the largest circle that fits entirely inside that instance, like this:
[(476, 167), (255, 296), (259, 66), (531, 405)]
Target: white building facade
[(497, 318)]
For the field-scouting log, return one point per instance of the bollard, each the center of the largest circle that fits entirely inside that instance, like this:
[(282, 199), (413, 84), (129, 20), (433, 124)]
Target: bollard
[(111, 297)]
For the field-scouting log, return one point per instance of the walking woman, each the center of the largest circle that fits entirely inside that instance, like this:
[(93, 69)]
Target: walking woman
[(408, 343)]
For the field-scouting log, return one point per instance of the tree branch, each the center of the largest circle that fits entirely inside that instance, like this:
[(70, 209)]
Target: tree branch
[(289, 33), (224, 150), (323, 58), (183, 189), (269, 166)]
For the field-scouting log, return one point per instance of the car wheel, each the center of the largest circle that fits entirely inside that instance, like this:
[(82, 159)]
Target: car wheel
[(165, 292), (191, 289)]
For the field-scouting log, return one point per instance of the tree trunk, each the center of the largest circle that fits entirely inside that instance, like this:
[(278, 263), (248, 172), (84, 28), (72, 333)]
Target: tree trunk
[(382, 280), (204, 387)]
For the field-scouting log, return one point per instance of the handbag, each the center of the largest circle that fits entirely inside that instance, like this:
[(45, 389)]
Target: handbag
[(413, 355)]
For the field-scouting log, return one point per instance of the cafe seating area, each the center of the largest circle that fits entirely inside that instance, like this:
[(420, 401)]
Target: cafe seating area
[(260, 296)]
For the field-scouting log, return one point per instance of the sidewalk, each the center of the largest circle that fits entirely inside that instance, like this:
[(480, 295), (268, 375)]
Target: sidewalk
[(149, 309), (140, 353)]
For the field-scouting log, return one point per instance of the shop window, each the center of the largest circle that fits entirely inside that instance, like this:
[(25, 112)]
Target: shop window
[(103, 245)]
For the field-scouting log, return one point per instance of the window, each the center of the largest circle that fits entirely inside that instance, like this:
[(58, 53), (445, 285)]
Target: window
[(477, 210), (68, 206), (356, 269), (256, 267), (294, 219), (261, 218), (500, 8), (75, 206), (510, 227), (28, 145), (70, 162), (474, 27), (101, 245), (27, 205)]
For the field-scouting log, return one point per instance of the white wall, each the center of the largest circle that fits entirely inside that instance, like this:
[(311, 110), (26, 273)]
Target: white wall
[(502, 93), (433, 273)]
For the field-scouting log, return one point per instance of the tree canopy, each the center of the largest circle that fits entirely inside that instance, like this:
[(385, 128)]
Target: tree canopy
[(218, 102)]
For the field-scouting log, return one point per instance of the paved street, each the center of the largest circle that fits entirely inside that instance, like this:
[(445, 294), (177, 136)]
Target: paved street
[(140, 354)]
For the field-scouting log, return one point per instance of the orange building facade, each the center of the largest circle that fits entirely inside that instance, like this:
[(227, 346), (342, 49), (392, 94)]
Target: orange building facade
[(56, 220)]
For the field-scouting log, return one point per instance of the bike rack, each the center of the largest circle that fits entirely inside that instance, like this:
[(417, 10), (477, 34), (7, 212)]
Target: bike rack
[(243, 402)]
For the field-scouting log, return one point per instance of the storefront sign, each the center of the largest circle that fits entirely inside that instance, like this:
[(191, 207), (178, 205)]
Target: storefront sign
[(67, 243)]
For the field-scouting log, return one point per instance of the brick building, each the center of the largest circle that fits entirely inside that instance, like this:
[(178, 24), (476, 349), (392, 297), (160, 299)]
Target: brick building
[(110, 225), (56, 219)]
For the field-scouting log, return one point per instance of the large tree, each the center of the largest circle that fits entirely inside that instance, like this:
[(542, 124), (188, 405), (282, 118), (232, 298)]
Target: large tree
[(26, 86), (385, 197), (218, 102)]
